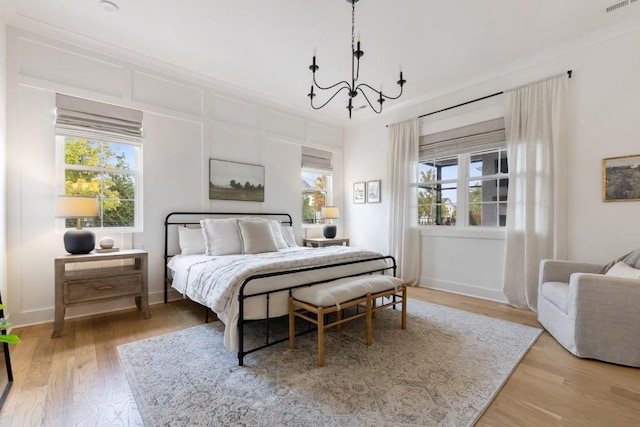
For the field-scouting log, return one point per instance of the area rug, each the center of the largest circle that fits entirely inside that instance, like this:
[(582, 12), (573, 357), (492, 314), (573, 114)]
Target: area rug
[(444, 370)]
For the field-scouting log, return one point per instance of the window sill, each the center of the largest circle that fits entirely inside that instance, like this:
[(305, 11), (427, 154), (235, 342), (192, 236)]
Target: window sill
[(489, 233)]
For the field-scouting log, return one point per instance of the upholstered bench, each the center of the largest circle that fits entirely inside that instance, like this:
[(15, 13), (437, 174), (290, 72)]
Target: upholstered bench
[(337, 295)]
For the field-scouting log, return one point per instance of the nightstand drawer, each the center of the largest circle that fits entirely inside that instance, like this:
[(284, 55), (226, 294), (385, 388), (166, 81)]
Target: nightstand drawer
[(97, 289)]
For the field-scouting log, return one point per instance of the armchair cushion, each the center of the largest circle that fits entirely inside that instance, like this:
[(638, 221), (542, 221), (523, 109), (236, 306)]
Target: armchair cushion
[(558, 294)]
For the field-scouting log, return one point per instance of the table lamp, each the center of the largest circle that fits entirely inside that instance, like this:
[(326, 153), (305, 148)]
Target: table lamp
[(330, 212), (78, 240)]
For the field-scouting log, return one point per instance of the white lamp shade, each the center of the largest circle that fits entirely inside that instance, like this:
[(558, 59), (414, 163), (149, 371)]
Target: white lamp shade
[(77, 207), (330, 212)]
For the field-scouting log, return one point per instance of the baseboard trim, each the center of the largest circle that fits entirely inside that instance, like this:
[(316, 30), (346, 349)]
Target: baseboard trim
[(463, 289)]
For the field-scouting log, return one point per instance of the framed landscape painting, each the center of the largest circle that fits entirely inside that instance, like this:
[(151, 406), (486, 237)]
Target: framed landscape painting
[(235, 181), (621, 179)]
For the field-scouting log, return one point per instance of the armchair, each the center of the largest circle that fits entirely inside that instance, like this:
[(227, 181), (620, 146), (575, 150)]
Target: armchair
[(592, 315)]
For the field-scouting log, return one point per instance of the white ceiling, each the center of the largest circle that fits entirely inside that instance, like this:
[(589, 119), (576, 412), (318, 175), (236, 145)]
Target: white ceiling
[(265, 46)]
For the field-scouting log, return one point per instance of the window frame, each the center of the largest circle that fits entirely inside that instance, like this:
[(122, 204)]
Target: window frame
[(137, 174)]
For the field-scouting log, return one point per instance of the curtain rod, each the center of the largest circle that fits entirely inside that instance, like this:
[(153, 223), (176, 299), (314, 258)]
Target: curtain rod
[(569, 72)]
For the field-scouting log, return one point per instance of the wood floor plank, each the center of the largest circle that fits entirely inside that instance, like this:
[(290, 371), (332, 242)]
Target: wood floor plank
[(77, 379)]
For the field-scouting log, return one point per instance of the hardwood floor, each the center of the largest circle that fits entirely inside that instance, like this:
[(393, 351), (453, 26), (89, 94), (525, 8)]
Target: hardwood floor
[(77, 380)]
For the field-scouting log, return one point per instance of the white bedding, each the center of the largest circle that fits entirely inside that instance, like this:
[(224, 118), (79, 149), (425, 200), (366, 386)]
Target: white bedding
[(215, 281)]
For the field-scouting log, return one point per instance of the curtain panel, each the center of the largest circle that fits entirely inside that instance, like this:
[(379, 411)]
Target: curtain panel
[(535, 122), (404, 236)]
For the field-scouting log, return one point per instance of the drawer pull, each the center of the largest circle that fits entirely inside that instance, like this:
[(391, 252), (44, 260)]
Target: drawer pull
[(103, 288)]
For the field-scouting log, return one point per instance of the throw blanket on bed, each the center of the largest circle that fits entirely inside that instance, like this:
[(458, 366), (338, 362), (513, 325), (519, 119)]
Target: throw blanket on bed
[(215, 281)]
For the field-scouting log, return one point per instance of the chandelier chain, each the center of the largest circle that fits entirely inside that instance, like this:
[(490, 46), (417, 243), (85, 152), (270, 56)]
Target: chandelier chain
[(353, 26)]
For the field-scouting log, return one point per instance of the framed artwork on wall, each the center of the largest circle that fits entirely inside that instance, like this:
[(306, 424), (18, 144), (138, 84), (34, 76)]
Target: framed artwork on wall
[(235, 181), (359, 191), (373, 191), (621, 179)]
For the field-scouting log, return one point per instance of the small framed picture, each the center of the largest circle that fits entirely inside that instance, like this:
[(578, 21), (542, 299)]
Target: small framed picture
[(373, 191), (621, 179), (359, 192)]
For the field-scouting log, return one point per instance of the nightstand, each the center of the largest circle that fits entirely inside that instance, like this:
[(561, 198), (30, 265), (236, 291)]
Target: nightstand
[(90, 285), (318, 242)]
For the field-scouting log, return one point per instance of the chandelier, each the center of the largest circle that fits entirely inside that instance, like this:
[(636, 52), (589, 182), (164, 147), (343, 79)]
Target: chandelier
[(352, 88)]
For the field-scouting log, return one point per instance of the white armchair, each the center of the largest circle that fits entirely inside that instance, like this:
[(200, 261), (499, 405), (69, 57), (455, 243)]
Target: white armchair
[(592, 315)]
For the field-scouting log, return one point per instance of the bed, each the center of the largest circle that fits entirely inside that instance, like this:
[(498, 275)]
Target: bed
[(243, 266)]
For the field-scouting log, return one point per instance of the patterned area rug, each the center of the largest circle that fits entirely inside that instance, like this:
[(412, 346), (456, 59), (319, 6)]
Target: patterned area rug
[(444, 370)]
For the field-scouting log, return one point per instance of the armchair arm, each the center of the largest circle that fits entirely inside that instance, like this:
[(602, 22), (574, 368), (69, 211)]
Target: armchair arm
[(607, 317), (552, 270)]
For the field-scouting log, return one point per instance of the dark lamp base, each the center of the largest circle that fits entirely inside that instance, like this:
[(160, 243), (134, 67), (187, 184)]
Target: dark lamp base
[(329, 231), (79, 241)]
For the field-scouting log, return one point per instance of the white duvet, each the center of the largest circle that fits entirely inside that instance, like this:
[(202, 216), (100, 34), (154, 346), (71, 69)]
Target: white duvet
[(215, 281)]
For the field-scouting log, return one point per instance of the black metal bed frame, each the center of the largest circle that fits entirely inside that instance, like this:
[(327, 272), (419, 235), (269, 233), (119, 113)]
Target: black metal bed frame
[(389, 261)]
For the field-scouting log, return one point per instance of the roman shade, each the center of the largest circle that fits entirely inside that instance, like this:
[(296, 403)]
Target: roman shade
[(476, 137), (92, 119), (316, 159)]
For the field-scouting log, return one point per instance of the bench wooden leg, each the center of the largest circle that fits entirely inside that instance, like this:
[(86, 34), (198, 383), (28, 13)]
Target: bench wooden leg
[(369, 336), (404, 307), (292, 324), (320, 337), (338, 319)]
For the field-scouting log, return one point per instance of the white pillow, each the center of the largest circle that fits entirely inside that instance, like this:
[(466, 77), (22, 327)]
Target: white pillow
[(257, 236), (620, 269), (289, 236), (191, 241), (276, 229), (221, 236)]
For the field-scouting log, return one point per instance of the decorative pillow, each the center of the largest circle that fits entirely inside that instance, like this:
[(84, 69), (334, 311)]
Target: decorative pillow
[(221, 236), (289, 236), (632, 259), (620, 269), (276, 229), (257, 236), (191, 241)]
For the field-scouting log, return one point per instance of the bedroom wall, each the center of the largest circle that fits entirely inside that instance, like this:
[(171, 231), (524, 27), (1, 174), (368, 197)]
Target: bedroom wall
[(603, 105), (188, 119)]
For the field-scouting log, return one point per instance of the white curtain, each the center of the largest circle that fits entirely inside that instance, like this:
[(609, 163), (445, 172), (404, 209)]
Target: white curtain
[(404, 236), (535, 122)]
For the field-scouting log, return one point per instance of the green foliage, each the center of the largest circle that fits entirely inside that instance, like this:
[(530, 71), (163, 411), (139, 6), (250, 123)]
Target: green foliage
[(115, 190), (10, 338), (313, 201)]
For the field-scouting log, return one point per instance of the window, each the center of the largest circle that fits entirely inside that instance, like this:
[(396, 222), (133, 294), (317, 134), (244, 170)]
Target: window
[(108, 170), (463, 176), (316, 192), (474, 184), (317, 167), (99, 151), (488, 183)]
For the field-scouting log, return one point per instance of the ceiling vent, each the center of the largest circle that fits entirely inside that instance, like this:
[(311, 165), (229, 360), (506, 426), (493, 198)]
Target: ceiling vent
[(618, 5)]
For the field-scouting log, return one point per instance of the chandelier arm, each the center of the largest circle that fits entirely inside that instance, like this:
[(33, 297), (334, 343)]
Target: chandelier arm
[(365, 97), (330, 87), (329, 100), (378, 91)]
